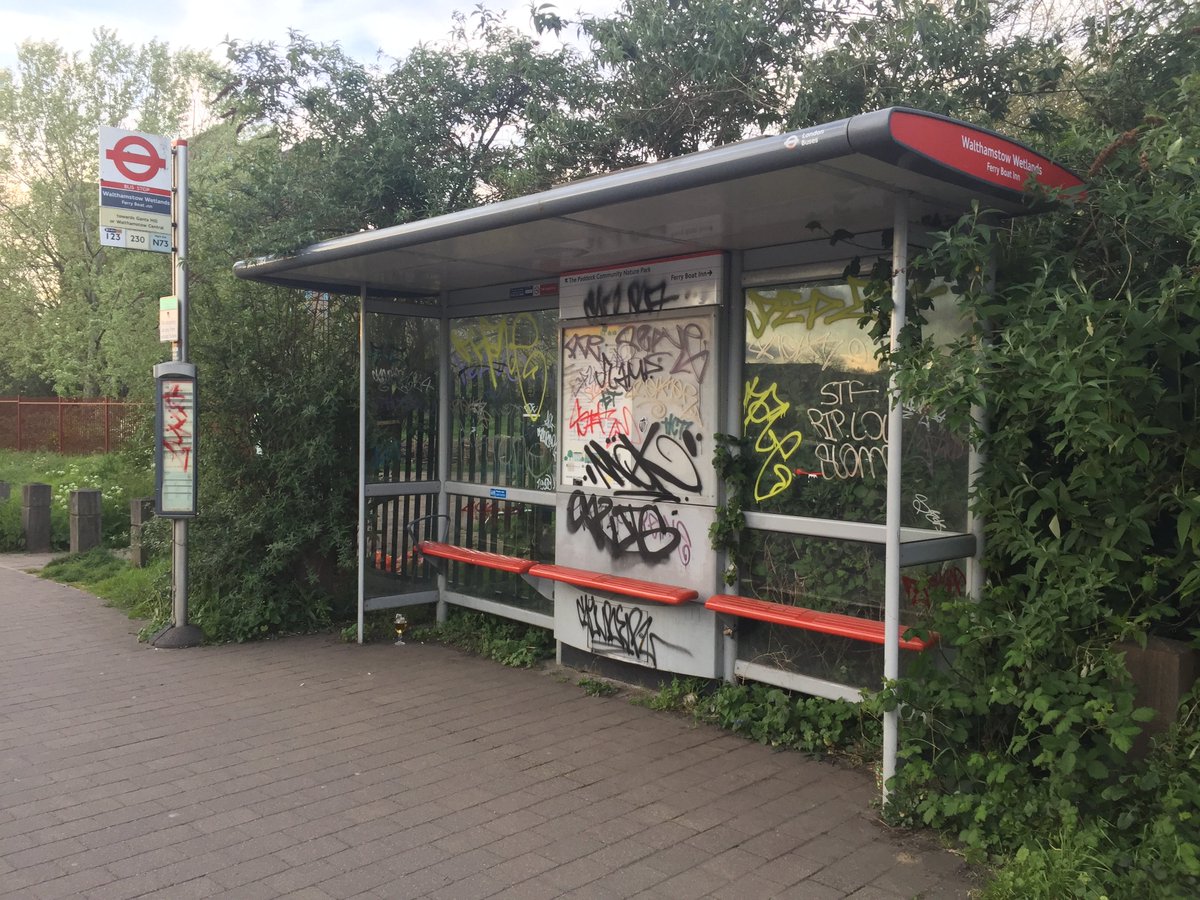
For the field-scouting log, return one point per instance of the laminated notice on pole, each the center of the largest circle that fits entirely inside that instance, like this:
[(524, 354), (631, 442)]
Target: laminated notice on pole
[(168, 318), (175, 439)]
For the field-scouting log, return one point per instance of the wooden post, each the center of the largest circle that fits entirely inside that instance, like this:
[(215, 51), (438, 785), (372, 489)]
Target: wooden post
[(141, 511), (85, 520), (35, 517)]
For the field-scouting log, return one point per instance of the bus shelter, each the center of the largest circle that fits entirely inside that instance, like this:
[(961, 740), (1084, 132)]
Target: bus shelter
[(547, 384)]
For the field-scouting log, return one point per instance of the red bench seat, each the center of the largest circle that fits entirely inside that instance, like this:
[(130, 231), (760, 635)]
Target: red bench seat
[(858, 629), (475, 557), (615, 584)]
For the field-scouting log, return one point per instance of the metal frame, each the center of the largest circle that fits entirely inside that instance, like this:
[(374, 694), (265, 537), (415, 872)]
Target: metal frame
[(401, 488), (917, 545), (891, 588), (794, 681), (394, 601), (515, 495), (479, 604)]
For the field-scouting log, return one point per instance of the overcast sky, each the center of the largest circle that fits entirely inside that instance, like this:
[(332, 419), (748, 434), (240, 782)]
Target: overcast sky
[(362, 27)]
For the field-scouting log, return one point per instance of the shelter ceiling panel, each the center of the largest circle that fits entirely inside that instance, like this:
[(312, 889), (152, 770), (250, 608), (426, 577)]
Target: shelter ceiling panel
[(759, 211), (549, 247)]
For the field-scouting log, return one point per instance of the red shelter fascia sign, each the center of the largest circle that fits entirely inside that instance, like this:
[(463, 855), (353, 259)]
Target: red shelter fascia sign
[(978, 153)]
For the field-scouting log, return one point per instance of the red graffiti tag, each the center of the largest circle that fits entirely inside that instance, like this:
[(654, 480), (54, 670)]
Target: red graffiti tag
[(175, 424)]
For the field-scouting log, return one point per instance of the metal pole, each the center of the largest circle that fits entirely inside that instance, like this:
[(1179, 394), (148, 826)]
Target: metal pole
[(976, 460), (179, 288), (444, 431), (734, 420), (362, 455), (891, 590), (179, 633), (179, 252)]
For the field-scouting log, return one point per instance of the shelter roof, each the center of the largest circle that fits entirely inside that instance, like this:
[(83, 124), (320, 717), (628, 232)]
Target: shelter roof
[(763, 192)]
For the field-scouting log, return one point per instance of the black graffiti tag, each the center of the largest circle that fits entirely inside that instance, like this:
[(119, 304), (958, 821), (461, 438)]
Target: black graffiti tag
[(662, 468), (686, 343), (626, 297), (622, 527), (611, 626)]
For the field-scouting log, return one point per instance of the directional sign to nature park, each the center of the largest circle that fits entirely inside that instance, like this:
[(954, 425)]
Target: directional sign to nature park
[(135, 190)]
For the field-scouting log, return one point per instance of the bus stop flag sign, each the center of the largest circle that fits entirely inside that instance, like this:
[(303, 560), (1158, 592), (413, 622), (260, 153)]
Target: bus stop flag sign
[(135, 190)]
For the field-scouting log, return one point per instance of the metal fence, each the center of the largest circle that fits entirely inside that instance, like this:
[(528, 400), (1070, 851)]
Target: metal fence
[(63, 425)]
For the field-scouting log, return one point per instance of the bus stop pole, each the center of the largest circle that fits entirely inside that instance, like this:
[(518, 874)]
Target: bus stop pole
[(180, 633), (891, 590), (180, 287)]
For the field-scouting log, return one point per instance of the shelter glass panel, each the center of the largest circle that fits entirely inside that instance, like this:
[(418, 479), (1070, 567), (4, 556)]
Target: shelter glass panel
[(815, 406), (844, 577), (392, 565), (402, 398), (503, 398), (501, 526)]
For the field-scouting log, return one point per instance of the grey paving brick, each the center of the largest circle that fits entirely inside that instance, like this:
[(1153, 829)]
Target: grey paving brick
[(676, 858), (305, 768)]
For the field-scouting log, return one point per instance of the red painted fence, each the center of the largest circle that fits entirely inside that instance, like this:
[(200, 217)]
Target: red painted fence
[(63, 425)]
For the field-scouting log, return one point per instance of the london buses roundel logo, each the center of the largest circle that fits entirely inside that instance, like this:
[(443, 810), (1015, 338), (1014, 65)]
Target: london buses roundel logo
[(136, 158)]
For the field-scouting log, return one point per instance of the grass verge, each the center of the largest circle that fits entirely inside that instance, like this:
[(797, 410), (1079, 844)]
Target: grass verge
[(140, 593), (119, 477)]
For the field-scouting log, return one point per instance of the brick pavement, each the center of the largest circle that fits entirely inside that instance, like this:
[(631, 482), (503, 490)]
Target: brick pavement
[(307, 768)]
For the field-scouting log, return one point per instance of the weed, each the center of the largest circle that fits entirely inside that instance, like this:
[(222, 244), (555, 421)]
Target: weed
[(502, 640), (595, 687), (681, 694)]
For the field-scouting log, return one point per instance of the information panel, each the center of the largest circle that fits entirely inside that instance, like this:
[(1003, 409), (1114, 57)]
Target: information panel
[(175, 440), (648, 288)]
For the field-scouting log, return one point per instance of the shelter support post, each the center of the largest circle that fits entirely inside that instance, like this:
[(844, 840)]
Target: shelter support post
[(362, 456), (891, 600), (444, 430), (733, 416), (976, 460)]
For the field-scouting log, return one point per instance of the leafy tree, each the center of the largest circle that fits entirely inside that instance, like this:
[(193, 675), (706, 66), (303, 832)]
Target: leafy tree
[(84, 315), (317, 144), (484, 117), (966, 58), (277, 369), (683, 75)]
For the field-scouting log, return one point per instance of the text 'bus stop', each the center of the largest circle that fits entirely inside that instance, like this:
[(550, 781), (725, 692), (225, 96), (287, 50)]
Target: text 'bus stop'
[(547, 384)]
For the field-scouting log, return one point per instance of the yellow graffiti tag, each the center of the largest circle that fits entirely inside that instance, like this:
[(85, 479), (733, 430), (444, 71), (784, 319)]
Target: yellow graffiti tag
[(763, 409), (802, 306), (508, 348)]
